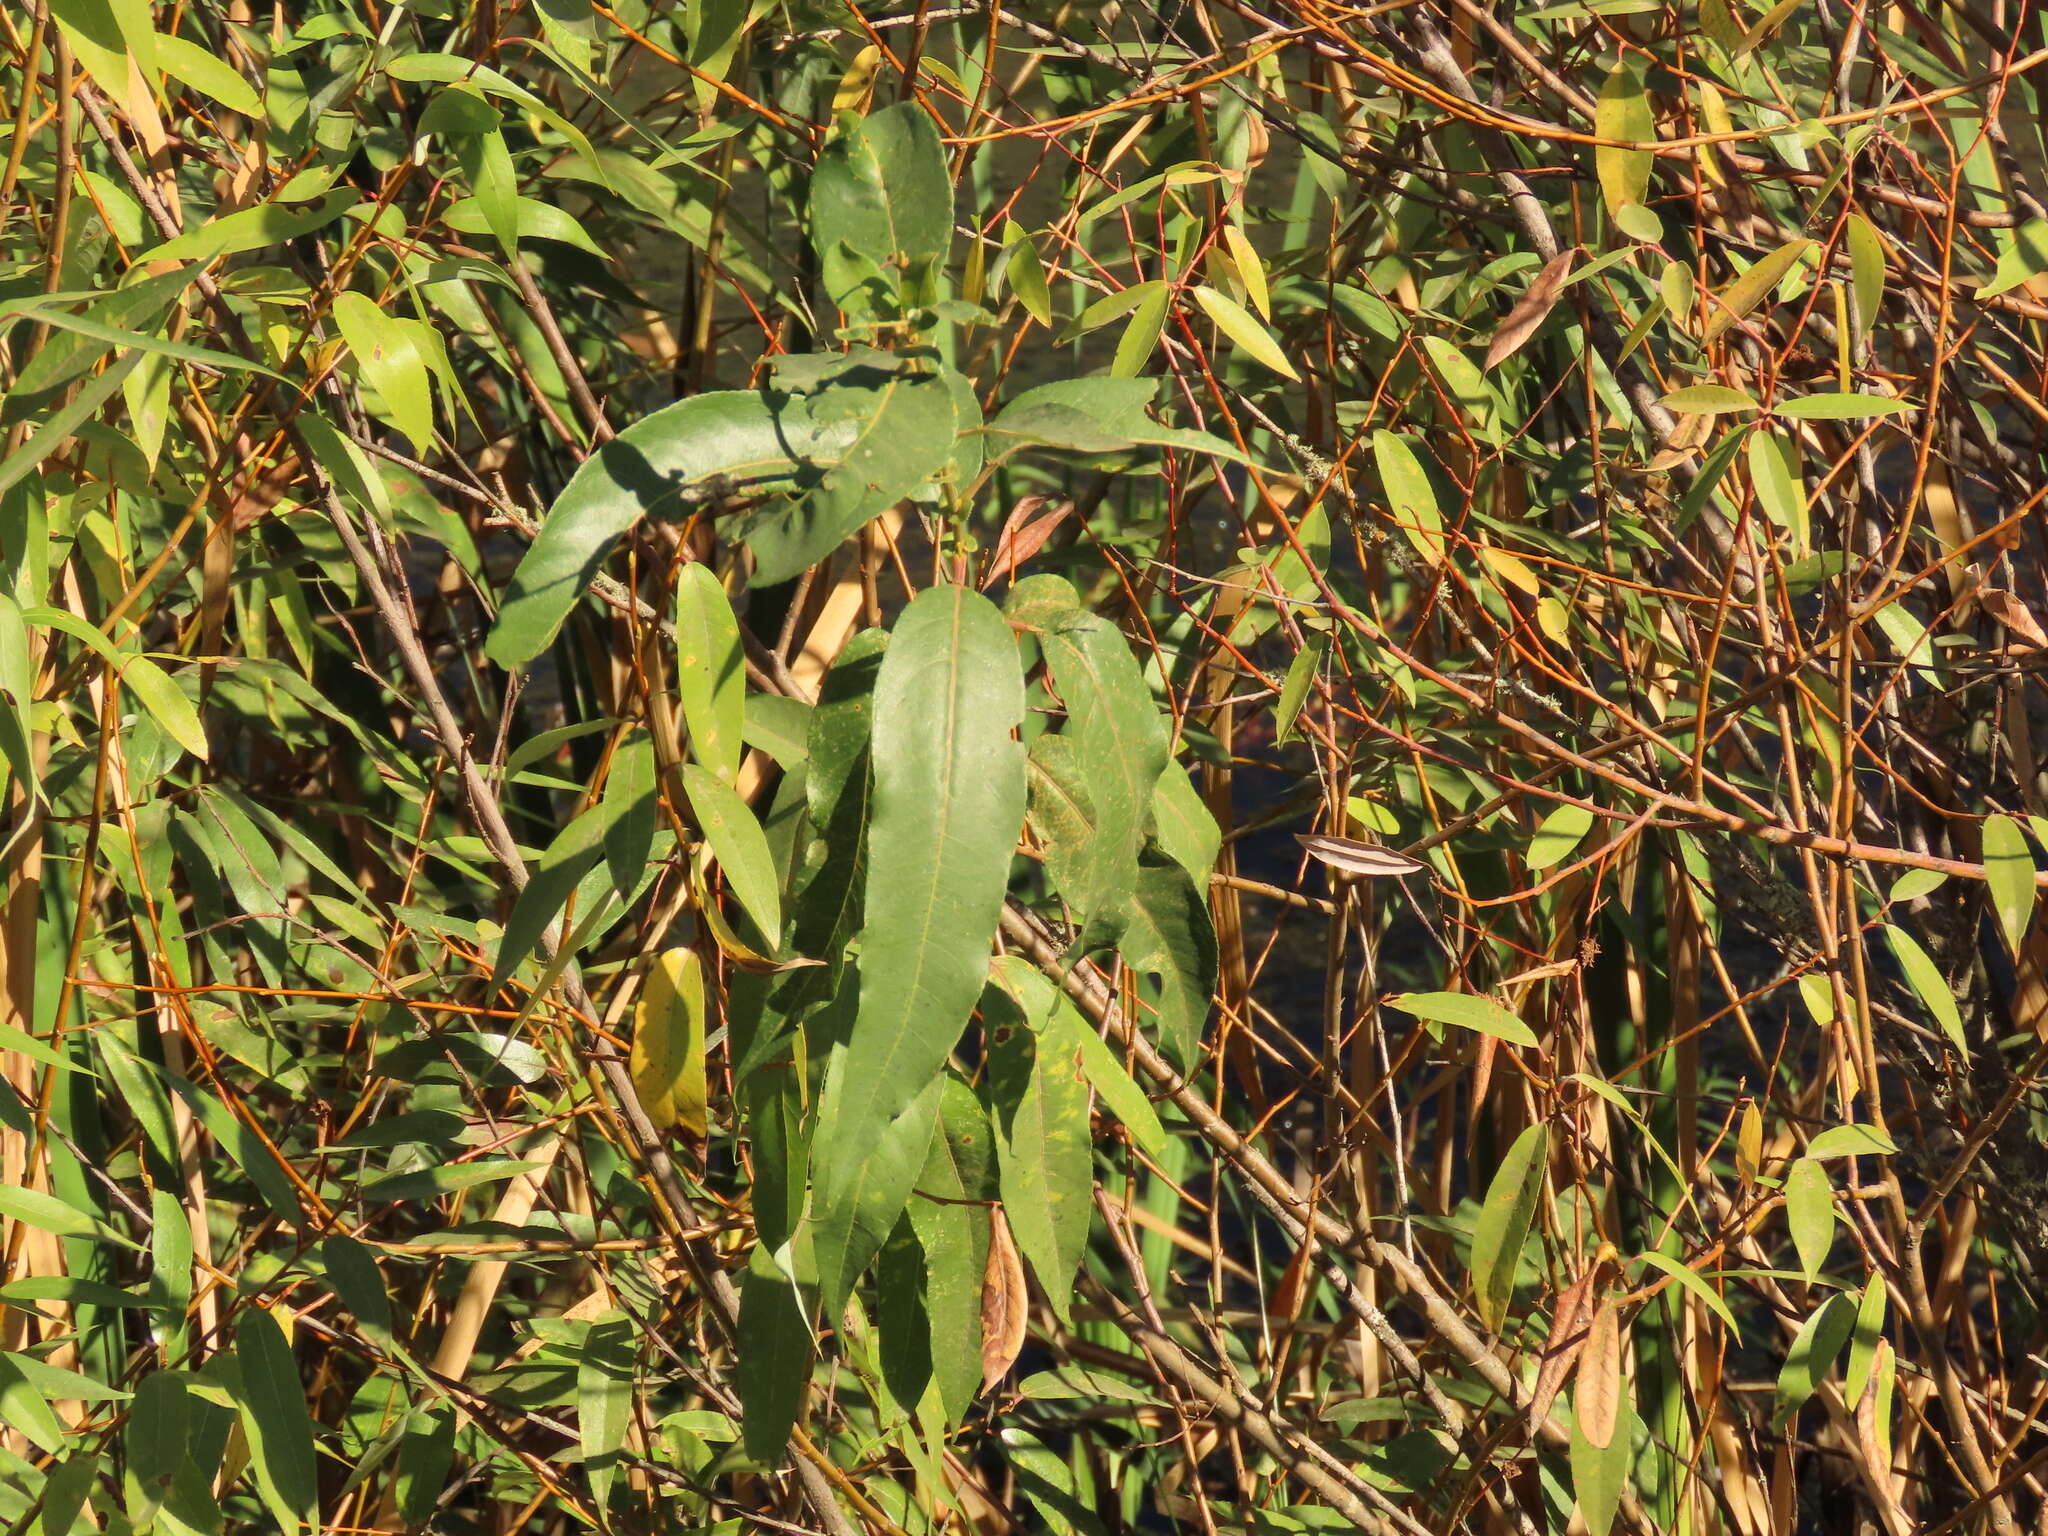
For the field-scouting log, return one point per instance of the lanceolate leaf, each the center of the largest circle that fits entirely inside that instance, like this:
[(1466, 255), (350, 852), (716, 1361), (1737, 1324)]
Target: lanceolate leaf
[(1750, 289), (740, 846), (1624, 114), (2009, 876), (1467, 1012), (667, 1061), (1812, 1355), (711, 674), (948, 804), (828, 446), (1041, 1104), (890, 430), (1810, 1211), (274, 1417), (949, 1213), (1503, 1226), (774, 1357), (1118, 743), (604, 1399), (1169, 934), (1927, 982)]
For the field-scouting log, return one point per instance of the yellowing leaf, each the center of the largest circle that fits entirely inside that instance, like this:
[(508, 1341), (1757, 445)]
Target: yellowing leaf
[(1623, 113), (1480, 1014), (1841, 407), (667, 1059), (1237, 322), (1503, 1225), (1250, 270), (1510, 570), (1749, 290), (1026, 274), (1708, 400), (2009, 875)]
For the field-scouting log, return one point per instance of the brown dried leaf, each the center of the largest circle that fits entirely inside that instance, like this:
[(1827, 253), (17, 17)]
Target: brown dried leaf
[(1347, 855), (1024, 534), (1567, 1338), (1598, 1399), (2015, 615), (1530, 310), (1005, 1302)]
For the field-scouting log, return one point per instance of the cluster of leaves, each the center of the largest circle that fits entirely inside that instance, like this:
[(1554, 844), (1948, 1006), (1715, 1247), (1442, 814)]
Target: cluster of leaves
[(709, 714)]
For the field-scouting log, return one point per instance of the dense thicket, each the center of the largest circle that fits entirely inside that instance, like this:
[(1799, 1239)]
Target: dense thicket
[(1057, 767)]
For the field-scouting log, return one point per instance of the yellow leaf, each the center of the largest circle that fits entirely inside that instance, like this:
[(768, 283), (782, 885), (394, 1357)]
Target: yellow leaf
[(1237, 322), (667, 1060), (1249, 269), (1623, 113), (1750, 289)]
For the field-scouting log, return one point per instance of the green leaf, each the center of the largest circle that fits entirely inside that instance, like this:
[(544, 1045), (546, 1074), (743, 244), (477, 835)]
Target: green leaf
[(1694, 1281), (740, 846), (1558, 834), (951, 1219), (275, 1420), (1600, 1474), (1243, 328), (1026, 275), (46, 1212), (1929, 985), (948, 805), (1411, 495), (1040, 1096), (877, 432), (24, 1408), (774, 1360), (107, 35), (1141, 333), (1807, 1362), (883, 189), (711, 674), (1503, 1226), (1467, 1012), (166, 702), (2009, 877), (1185, 827), (1168, 934), (443, 1179), (250, 230), (1774, 471), (392, 363), (1810, 1212), (1110, 1079), (355, 1278), (1841, 407), (1623, 113), (1114, 741), (207, 72), (1301, 672), (1851, 1141), (604, 1398), (1870, 1309), (1735, 301), (1096, 415)]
